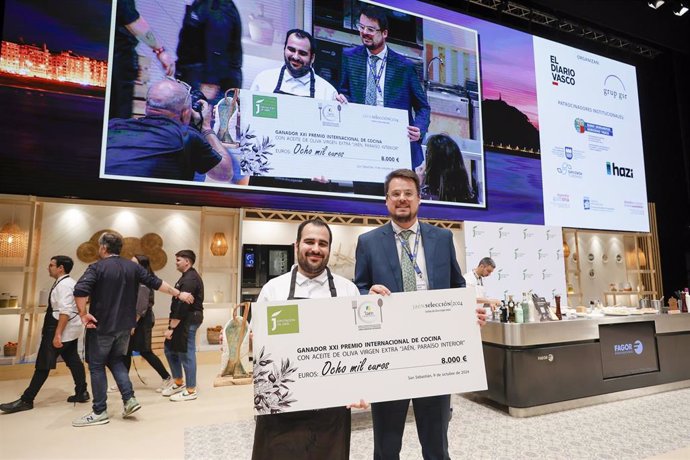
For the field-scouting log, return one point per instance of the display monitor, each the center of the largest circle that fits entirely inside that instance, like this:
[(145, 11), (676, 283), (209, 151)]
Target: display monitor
[(628, 349)]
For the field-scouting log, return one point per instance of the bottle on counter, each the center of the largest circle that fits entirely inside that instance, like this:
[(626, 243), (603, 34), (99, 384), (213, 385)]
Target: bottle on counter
[(534, 314), (591, 307), (524, 304), (519, 316), (511, 309), (504, 312), (559, 314), (687, 300)]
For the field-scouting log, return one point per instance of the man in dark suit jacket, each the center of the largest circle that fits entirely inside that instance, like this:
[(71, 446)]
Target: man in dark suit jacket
[(407, 255), (396, 83)]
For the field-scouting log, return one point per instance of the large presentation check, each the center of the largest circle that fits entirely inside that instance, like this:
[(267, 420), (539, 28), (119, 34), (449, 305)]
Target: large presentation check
[(317, 353), (301, 137)]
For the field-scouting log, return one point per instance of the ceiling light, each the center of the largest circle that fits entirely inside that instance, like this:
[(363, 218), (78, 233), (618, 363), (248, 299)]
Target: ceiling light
[(655, 3), (682, 9)]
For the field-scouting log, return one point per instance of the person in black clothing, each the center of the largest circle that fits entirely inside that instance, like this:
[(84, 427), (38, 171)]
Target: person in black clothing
[(209, 51), (446, 177), (59, 336), (162, 145), (180, 343), (130, 28), (141, 334), (112, 285)]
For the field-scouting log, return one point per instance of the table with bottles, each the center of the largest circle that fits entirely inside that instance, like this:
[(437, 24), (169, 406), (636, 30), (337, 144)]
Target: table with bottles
[(546, 365)]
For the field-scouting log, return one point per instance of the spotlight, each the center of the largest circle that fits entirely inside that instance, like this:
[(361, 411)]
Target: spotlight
[(655, 3), (681, 9)]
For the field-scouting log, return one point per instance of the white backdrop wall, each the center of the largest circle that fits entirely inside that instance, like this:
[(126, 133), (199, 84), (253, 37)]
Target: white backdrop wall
[(527, 257), (66, 226)]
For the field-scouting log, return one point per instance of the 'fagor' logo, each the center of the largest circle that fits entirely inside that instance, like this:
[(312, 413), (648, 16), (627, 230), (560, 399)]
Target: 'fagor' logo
[(628, 348)]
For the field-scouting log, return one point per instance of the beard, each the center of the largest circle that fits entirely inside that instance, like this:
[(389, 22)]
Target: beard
[(403, 219), (296, 73), (311, 269)]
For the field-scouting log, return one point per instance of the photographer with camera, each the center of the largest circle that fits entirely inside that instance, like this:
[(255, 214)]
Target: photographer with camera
[(173, 141)]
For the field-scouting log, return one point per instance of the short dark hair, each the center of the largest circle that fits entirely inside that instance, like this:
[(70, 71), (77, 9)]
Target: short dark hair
[(401, 174), (375, 13), (111, 241), (144, 262), (488, 262), (301, 34), (318, 223), (65, 262), (187, 254)]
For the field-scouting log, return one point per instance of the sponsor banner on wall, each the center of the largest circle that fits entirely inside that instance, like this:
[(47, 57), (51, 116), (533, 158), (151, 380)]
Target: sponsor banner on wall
[(528, 257)]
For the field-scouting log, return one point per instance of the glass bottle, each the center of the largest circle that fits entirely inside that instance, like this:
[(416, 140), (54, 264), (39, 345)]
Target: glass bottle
[(504, 312), (511, 309), (559, 314), (526, 317)]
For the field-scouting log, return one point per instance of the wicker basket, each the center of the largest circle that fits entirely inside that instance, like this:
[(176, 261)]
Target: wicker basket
[(213, 336), (9, 350)]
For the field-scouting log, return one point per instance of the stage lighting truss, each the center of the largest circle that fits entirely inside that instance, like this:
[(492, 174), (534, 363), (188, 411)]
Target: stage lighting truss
[(565, 25)]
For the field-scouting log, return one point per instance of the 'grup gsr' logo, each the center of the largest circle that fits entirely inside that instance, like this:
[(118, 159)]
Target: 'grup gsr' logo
[(283, 319), (614, 88), (265, 106)]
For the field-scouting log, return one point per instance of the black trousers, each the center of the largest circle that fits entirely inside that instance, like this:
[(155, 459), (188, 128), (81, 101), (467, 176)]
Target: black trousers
[(432, 415), (71, 356), (150, 358)]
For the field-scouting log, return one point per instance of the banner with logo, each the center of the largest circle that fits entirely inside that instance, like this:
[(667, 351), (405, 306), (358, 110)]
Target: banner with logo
[(318, 353), (591, 144), (528, 257), (301, 137)]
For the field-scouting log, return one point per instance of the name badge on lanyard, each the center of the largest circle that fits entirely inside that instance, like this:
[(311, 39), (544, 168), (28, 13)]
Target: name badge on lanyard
[(420, 282)]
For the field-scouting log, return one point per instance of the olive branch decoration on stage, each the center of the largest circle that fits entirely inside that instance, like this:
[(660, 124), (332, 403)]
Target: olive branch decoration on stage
[(255, 153), (271, 394)]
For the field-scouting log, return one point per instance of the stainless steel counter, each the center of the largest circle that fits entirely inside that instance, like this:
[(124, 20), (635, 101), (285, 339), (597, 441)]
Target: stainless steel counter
[(535, 368), (572, 330)]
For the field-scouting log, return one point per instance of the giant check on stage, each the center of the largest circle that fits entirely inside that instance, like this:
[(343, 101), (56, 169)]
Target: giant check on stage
[(318, 353), (301, 137)]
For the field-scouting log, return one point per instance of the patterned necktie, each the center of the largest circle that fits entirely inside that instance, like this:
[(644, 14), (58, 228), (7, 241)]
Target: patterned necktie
[(370, 96), (408, 274)]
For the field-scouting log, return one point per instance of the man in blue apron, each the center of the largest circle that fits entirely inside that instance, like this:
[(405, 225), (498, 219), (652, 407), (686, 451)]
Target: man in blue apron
[(312, 434), (59, 336)]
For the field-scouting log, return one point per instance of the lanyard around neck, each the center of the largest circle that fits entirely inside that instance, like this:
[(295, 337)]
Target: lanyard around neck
[(372, 68), (411, 255)]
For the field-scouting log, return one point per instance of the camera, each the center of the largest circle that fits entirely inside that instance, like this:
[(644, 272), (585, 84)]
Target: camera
[(197, 96)]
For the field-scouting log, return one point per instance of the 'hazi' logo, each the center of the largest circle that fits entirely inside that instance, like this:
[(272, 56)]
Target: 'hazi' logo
[(620, 171)]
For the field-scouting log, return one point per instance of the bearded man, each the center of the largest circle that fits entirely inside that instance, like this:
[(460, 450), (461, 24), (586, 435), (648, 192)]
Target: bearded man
[(296, 77)]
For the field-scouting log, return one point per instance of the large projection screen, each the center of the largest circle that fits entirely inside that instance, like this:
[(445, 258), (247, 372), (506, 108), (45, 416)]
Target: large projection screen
[(548, 134)]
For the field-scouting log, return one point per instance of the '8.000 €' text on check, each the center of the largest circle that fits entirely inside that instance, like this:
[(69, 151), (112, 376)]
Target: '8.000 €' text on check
[(318, 353)]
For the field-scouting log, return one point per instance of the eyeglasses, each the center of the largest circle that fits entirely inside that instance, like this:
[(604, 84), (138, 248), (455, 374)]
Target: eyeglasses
[(367, 29), (184, 84), (398, 194)]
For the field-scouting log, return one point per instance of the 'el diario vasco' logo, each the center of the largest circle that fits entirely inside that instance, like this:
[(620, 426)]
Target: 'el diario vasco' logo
[(561, 74)]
